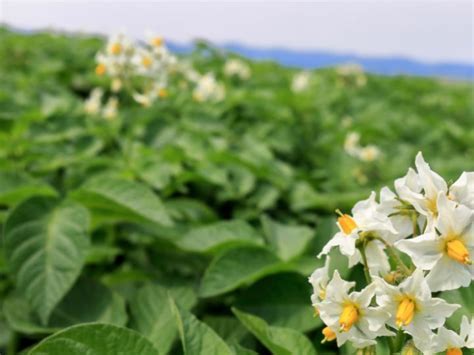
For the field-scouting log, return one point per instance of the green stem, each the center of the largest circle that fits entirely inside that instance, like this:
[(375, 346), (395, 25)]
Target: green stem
[(12, 344), (368, 278), (393, 253)]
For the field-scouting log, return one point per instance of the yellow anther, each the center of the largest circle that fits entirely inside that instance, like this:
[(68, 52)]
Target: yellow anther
[(456, 250), (116, 48), (347, 223), (157, 41), (147, 61), (405, 311), (162, 93), (100, 69), (329, 334), (349, 316), (454, 351)]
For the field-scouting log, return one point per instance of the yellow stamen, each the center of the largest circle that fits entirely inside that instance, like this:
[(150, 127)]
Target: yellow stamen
[(162, 93), (454, 351), (157, 41), (457, 250), (405, 311), (116, 48), (100, 69), (146, 61), (329, 334), (349, 316), (347, 223)]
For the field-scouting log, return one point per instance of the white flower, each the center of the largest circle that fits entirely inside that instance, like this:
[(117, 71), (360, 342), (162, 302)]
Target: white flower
[(110, 109), (352, 71), (157, 90), (422, 189), (208, 89), (300, 81), (93, 104), (369, 153), (447, 256), (349, 315), (451, 342), (351, 143), (153, 39), (365, 218), (353, 148), (412, 308), (319, 280), (238, 68), (462, 190)]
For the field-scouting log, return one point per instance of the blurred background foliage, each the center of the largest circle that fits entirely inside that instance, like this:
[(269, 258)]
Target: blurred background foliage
[(250, 182)]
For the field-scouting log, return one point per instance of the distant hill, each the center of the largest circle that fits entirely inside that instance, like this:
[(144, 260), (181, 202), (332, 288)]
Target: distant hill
[(319, 59)]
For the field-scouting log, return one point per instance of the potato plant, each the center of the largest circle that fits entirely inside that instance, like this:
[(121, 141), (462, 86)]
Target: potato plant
[(188, 221)]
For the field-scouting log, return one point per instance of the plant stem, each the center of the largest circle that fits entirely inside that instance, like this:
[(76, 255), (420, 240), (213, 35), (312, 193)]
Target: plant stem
[(366, 265), (12, 344), (393, 253)]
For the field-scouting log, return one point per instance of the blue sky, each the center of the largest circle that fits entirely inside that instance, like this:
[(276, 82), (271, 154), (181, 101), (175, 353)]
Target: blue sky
[(430, 31)]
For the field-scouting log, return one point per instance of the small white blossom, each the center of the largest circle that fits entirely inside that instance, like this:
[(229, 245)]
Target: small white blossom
[(412, 308), (462, 190), (447, 255), (422, 188), (350, 316), (110, 109), (300, 81), (93, 104), (319, 280), (208, 89), (237, 68)]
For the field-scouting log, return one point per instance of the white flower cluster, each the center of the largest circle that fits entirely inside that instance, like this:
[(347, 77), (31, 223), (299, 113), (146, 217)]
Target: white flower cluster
[(433, 224), (237, 68), (144, 71)]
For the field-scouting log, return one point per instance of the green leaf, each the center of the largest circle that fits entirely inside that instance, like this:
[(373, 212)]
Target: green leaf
[(280, 341), (287, 241), (46, 244), (236, 267), (114, 199), (219, 235), (94, 338), (153, 316), (15, 187), (286, 302), (102, 305), (196, 337)]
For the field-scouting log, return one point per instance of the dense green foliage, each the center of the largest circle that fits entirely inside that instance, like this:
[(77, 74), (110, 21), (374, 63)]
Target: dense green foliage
[(193, 224)]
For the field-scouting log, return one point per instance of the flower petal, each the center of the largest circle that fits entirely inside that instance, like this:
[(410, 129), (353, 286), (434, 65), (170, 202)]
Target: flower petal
[(449, 274), (423, 250)]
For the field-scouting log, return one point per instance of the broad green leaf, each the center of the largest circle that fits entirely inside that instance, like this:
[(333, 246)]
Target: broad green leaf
[(219, 235), (227, 327), (190, 210), (286, 302), (236, 267), (153, 316), (102, 305), (118, 199), (288, 241), (15, 187), (95, 338), (46, 243), (280, 341), (196, 337)]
